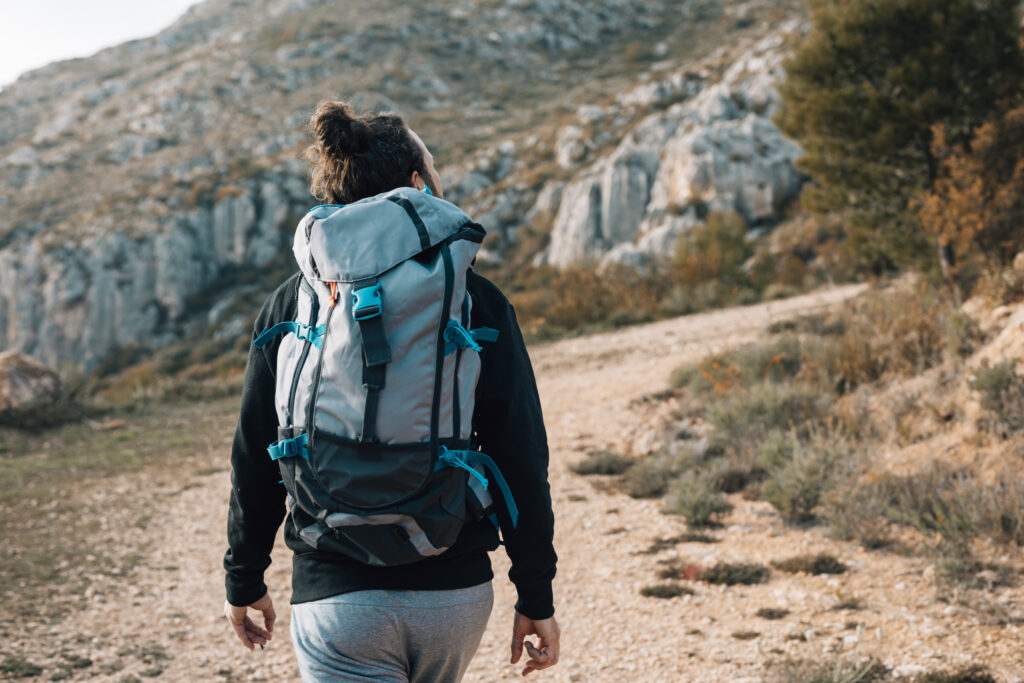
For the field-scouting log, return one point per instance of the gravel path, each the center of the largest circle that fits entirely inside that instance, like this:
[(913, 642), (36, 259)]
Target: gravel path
[(164, 620)]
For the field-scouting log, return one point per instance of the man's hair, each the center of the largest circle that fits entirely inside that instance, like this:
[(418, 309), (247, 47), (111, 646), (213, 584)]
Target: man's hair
[(354, 157)]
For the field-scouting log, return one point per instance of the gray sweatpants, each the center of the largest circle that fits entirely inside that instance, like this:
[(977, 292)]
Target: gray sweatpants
[(393, 636)]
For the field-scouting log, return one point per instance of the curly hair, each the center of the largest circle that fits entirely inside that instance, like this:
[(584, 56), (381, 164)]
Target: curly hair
[(358, 156)]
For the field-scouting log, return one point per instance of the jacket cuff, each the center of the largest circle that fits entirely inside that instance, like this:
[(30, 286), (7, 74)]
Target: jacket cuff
[(536, 601), (243, 596)]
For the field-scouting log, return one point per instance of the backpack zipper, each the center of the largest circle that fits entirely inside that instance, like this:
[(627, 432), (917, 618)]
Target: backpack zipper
[(315, 391)]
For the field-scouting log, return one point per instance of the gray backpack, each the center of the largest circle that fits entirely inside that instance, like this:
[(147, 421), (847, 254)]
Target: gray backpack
[(376, 381)]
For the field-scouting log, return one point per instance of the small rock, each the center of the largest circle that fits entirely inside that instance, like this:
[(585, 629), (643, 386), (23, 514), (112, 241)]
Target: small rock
[(908, 670)]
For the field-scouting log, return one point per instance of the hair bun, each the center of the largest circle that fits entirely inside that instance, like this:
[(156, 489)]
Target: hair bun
[(337, 132)]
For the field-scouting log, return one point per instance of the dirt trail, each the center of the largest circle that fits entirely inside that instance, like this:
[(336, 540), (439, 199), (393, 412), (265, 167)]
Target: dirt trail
[(165, 620)]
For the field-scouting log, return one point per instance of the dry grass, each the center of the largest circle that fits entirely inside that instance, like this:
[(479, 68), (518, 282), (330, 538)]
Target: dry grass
[(52, 485)]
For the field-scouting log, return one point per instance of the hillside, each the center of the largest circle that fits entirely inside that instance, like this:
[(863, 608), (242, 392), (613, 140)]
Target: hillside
[(158, 176)]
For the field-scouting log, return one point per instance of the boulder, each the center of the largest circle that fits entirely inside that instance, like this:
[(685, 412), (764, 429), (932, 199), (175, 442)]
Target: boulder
[(25, 381)]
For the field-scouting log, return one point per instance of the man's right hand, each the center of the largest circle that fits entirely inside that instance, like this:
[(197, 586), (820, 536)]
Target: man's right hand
[(246, 629), (543, 656)]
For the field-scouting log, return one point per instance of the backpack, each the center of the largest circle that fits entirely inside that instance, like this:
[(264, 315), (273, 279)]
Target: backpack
[(376, 380)]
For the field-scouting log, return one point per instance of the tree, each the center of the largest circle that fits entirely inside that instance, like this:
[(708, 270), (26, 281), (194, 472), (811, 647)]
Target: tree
[(863, 93), (976, 207)]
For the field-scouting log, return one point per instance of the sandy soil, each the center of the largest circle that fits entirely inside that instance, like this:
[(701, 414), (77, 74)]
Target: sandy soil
[(163, 617)]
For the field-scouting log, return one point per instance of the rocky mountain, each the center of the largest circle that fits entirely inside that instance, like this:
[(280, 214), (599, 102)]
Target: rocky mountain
[(150, 188)]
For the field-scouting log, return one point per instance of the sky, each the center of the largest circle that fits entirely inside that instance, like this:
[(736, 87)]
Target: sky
[(34, 33)]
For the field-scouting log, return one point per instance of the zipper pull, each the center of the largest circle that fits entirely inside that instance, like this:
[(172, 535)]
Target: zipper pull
[(334, 293)]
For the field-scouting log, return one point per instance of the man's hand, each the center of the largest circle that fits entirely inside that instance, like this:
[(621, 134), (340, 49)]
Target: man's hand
[(246, 629), (543, 656)]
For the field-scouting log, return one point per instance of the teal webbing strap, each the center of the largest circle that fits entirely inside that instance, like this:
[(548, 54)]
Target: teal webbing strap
[(289, 448), (465, 460), (484, 334), (314, 335), (458, 337), (367, 310)]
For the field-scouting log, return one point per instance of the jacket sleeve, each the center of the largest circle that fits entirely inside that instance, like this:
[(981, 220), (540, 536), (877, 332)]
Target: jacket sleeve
[(257, 504), (510, 428)]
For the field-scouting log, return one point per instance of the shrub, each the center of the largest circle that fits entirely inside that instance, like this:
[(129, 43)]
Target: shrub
[(731, 574), (602, 462), (651, 476), (665, 590), (696, 498), (976, 206), (821, 563), (747, 416), (776, 449), (714, 251), (1002, 394), (975, 673), (838, 671), (938, 500), (856, 512), (795, 488), (900, 331), (775, 362)]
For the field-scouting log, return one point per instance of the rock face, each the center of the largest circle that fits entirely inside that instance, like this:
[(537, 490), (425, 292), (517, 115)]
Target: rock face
[(83, 300), (24, 381), (141, 178), (718, 150), (135, 178)]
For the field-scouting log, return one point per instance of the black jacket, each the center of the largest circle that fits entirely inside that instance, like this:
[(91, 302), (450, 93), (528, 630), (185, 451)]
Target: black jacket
[(508, 425)]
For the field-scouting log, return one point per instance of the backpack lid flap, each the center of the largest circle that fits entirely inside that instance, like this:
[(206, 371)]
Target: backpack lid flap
[(371, 236)]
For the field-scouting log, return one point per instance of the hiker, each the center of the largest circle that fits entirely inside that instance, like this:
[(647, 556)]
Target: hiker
[(371, 452)]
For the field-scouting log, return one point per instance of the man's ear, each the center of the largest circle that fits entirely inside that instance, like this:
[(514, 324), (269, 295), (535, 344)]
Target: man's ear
[(416, 180)]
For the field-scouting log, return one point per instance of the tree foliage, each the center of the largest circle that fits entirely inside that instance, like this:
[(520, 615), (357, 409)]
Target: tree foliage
[(977, 204), (863, 94)]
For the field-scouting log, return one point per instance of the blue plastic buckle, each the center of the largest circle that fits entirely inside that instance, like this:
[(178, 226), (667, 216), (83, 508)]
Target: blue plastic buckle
[(289, 448), (366, 303)]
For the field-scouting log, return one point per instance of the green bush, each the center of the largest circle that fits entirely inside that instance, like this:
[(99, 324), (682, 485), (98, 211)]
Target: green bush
[(857, 512), (795, 488), (696, 498), (1002, 394), (746, 417), (602, 462), (651, 476)]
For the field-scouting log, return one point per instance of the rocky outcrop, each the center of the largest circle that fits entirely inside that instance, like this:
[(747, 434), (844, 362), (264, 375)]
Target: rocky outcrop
[(717, 150), (141, 176), (84, 300), (24, 381)]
